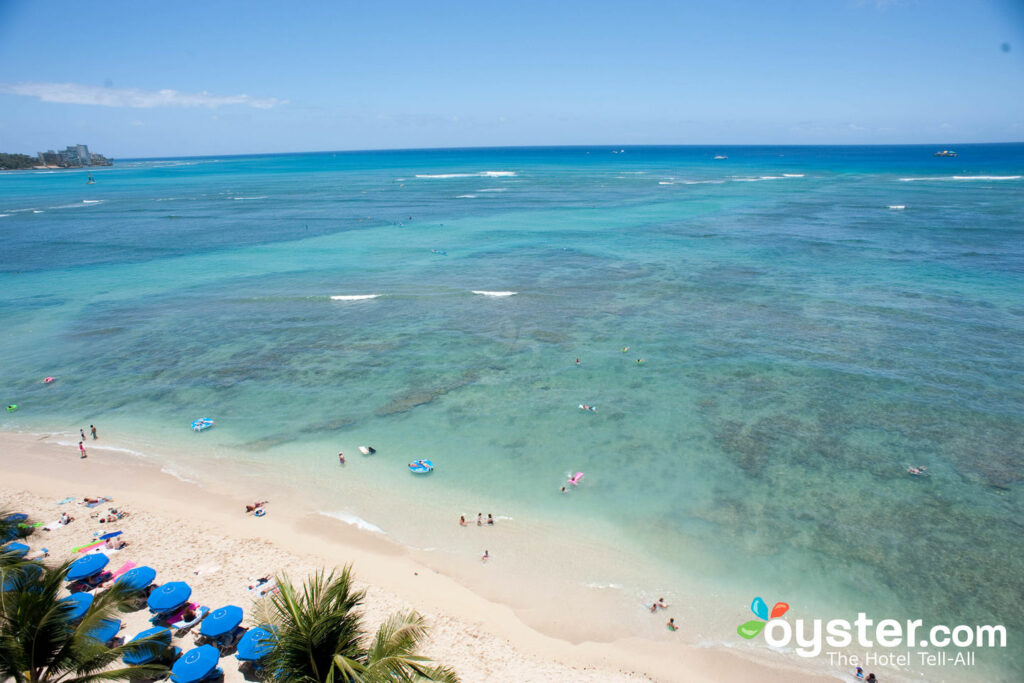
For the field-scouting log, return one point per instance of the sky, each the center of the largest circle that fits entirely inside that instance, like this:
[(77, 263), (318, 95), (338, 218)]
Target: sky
[(150, 79)]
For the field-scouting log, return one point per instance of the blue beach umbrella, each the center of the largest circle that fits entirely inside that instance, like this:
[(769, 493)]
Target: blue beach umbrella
[(16, 517), (137, 578), (81, 602), (255, 644), (85, 567), (19, 548), (14, 578), (161, 639), (169, 596), (105, 630), (221, 621), (195, 665)]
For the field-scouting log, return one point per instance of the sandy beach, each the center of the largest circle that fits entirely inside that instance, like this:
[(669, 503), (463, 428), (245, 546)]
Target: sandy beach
[(201, 534)]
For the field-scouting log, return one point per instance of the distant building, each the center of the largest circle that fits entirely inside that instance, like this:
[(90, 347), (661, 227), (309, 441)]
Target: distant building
[(49, 158), (74, 156)]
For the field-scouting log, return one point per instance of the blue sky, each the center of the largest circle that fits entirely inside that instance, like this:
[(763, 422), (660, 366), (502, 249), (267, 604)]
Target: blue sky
[(175, 79)]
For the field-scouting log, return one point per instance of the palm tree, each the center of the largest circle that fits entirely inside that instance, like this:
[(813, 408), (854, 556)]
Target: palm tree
[(41, 643), (318, 637)]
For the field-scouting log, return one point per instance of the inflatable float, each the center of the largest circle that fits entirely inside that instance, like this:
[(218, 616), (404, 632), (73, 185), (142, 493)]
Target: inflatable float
[(202, 424), (367, 450), (49, 380), (576, 478), (421, 467), (11, 408)]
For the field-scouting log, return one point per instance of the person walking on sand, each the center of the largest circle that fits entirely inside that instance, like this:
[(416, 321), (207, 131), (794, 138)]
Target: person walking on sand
[(92, 428), (486, 556), (479, 519), (81, 447)]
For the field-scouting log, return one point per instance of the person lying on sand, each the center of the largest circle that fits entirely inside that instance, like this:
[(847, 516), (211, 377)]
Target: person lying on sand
[(255, 506), (115, 543)]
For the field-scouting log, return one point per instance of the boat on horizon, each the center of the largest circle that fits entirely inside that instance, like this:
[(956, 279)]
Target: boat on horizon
[(945, 153)]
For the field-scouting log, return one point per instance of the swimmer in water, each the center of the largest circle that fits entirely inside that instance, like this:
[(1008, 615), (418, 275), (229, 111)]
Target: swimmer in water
[(916, 471), (625, 348)]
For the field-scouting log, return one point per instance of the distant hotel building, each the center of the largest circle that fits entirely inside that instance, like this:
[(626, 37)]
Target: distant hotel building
[(74, 157)]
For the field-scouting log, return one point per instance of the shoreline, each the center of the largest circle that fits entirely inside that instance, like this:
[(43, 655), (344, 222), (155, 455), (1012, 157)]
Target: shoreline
[(397, 577)]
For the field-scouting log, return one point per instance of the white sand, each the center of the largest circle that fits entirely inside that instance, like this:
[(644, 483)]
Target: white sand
[(202, 536)]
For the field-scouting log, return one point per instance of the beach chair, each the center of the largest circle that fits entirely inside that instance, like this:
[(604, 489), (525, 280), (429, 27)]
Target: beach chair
[(181, 625)]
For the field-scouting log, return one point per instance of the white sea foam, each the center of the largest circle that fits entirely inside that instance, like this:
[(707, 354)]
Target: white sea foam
[(595, 584), (353, 297), (666, 182), (178, 475), (355, 521), (987, 177), (4, 215), (37, 211), (703, 182), (481, 174), (484, 292), (240, 198), (897, 207), (792, 175), (963, 177), (494, 189), (466, 196), (92, 201)]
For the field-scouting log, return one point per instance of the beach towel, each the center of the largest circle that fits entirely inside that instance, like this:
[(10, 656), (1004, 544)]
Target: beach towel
[(66, 500), (88, 547), (262, 589), (122, 569)]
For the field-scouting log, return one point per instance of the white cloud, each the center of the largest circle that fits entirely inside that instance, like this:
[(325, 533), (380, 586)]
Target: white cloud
[(73, 93)]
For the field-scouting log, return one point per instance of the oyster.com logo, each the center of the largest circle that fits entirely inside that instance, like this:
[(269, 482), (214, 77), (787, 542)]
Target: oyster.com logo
[(760, 609)]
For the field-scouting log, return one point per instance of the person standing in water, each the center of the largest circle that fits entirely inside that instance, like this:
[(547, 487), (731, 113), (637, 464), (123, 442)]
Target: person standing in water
[(81, 433), (92, 428)]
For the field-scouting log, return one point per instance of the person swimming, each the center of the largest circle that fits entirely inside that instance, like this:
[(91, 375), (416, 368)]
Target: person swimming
[(916, 471)]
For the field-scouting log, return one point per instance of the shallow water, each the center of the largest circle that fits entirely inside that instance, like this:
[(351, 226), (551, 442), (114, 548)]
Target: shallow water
[(802, 343)]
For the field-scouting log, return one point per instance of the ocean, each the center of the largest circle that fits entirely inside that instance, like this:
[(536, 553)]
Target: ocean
[(769, 341)]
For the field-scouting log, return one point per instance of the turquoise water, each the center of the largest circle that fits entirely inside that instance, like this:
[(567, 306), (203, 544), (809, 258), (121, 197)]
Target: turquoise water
[(803, 342)]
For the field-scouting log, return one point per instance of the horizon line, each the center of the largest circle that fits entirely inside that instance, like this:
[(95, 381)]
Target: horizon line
[(947, 145)]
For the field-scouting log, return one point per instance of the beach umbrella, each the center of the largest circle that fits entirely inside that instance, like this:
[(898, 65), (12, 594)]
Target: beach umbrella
[(19, 548), (105, 631), (137, 578), (86, 566), (81, 602), (195, 665), (15, 577), (161, 638), (221, 621), (255, 644), (16, 517), (169, 596)]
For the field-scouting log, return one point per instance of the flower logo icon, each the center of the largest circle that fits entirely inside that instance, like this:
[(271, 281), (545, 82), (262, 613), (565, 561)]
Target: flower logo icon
[(760, 610)]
